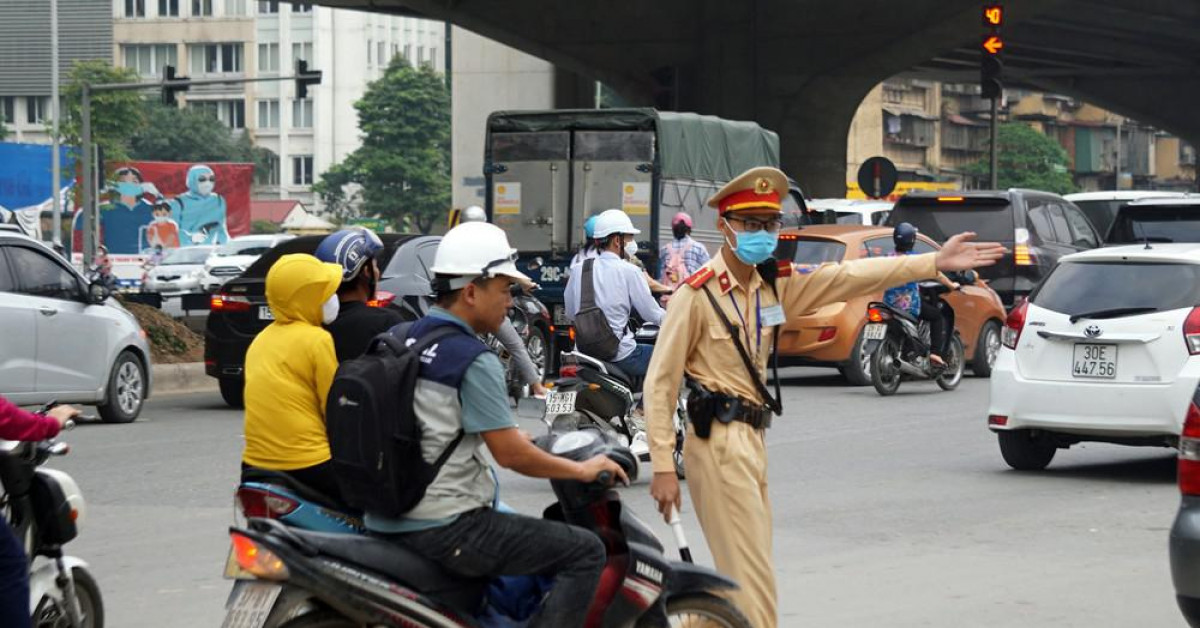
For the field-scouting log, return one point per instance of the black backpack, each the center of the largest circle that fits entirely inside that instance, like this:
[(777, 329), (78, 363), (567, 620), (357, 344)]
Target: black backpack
[(374, 435), (593, 336)]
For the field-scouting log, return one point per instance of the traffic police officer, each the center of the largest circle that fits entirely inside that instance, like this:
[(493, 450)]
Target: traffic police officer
[(725, 453)]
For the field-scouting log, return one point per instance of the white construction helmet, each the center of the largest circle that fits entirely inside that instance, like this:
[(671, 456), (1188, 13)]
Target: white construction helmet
[(474, 213), (612, 221), (476, 249)]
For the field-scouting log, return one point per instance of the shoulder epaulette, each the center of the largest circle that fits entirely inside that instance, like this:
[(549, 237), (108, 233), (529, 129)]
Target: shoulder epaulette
[(785, 269), (701, 277)]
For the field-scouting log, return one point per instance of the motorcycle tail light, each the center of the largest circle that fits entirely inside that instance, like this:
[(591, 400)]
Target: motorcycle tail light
[(383, 298), (876, 315), (257, 560), (265, 504), (569, 370)]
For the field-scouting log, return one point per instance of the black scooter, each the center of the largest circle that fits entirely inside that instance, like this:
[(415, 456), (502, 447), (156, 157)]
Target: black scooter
[(296, 578), (899, 344)]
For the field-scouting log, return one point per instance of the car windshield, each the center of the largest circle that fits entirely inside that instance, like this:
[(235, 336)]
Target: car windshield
[(811, 251), (992, 220), (259, 268), (187, 255), (1100, 213), (1156, 224), (245, 247), (1086, 287)]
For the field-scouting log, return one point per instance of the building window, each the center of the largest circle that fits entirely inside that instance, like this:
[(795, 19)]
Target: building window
[(216, 58), (268, 6), (149, 60), (135, 8), (202, 8), (302, 7), (231, 113), (395, 50), (168, 8), (268, 58), (301, 52), (302, 170), (268, 114), (235, 7), (431, 61), (370, 48), (268, 174), (302, 113), (35, 109), (420, 56), (408, 54), (380, 52), (8, 109)]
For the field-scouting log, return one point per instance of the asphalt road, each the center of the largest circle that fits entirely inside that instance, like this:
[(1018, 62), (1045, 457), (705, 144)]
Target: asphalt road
[(888, 513)]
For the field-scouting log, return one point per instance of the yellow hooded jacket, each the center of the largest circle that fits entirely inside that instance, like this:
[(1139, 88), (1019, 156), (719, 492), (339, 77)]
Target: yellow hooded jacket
[(289, 368)]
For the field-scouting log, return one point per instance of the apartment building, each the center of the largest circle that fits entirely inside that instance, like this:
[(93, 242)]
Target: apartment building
[(263, 39)]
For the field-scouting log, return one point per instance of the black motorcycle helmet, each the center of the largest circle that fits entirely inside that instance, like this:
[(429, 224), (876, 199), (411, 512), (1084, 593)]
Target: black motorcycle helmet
[(904, 236)]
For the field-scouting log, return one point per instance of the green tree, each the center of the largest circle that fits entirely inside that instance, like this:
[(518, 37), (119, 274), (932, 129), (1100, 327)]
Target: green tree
[(1027, 159), (3, 131), (174, 134), (402, 170), (116, 116)]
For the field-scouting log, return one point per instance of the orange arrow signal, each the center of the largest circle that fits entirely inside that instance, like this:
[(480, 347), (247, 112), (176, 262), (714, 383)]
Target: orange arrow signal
[(993, 44)]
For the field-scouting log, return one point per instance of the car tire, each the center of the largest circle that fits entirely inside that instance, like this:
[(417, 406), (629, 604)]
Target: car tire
[(857, 370), (987, 347), (233, 391), (1025, 450), (126, 390)]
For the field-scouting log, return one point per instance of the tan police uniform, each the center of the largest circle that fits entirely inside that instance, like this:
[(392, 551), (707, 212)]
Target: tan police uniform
[(727, 472)]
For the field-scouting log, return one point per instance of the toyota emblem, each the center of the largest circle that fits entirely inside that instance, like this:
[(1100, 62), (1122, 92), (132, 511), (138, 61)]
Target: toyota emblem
[(1093, 331)]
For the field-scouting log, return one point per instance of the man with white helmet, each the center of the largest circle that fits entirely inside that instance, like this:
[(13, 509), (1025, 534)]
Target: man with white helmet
[(460, 394), (619, 288), (507, 334)]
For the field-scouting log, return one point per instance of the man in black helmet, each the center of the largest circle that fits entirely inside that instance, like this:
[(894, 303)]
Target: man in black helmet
[(907, 297)]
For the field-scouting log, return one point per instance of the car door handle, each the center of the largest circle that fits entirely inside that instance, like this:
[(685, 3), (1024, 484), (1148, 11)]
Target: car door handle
[(48, 311)]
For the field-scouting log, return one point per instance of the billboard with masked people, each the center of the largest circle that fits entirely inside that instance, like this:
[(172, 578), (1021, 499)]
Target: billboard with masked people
[(158, 205)]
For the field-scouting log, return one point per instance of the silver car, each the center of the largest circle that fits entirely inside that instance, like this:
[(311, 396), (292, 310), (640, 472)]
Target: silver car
[(64, 339), (179, 272)]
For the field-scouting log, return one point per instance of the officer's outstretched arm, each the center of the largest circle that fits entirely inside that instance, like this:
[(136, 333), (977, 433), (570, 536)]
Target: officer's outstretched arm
[(805, 291), (677, 340)]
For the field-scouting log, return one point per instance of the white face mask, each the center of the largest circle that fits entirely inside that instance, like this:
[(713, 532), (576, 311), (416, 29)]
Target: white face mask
[(631, 248), (205, 188), (329, 309)]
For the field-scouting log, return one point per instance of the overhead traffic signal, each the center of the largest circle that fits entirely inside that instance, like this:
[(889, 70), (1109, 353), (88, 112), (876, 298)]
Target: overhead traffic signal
[(168, 91), (989, 81), (991, 46), (305, 77)]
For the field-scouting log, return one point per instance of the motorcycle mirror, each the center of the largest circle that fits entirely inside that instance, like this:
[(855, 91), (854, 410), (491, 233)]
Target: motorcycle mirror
[(970, 277), (98, 293)]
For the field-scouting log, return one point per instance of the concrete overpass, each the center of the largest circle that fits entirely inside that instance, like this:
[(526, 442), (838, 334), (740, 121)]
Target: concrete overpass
[(801, 67)]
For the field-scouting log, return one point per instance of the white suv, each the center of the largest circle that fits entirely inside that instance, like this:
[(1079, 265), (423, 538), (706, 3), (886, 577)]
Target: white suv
[(1106, 349), (235, 256)]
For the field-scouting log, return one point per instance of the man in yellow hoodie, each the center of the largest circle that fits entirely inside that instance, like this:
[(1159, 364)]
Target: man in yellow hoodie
[(289, 369)]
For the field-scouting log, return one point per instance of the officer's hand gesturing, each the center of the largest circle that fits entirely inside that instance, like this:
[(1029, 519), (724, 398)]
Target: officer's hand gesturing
[(962, 253), (664, 488)]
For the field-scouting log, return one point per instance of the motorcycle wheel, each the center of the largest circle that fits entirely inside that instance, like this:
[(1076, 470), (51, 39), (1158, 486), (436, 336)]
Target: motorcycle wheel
[(321, 619), (49, 614), (952, 375), (885, 367), (705, 609)]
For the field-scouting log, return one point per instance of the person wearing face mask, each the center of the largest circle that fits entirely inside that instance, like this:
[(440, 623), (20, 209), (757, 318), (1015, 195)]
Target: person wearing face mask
[(719, 332), (289, 368), (683, 257), (200, 212), (355, 250), (619, 288), (162, 233), (126, 214)]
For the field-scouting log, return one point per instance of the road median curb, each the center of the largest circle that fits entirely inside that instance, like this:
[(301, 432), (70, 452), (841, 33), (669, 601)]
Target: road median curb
[(185, 377)]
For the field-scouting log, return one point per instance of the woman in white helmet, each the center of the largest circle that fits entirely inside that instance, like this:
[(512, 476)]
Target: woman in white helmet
[(459, 398), (507, 334)]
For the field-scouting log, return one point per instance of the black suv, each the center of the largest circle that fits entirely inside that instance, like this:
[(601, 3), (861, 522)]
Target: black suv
[(1037, 227), (239, 311), (1156, 220)]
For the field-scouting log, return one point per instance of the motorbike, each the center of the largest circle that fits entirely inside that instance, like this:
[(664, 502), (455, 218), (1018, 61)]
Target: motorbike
[(899, 344), (288, 577), (601, 394), (45, 509)]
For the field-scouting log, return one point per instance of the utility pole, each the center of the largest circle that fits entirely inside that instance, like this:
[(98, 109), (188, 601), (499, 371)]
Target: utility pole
[(89, 186), (55, 111), (994, 158), (1117, 164)]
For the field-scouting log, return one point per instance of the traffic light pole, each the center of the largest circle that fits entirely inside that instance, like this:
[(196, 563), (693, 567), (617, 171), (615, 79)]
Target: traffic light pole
[(994, 157), (91, 216)]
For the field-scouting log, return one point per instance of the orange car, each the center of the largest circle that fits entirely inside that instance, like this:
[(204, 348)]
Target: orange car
[(832, 335)]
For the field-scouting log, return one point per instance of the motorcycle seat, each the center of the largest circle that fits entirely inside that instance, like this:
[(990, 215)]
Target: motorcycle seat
[(634, 384), (391, 559)]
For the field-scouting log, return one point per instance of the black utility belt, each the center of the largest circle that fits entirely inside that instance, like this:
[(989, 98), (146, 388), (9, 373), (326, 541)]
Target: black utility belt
[(705, 406)]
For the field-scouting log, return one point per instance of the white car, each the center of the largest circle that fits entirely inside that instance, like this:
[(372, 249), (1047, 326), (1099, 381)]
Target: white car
[(1106, 349), (847, 211), (1101, 207), (235, 256), (65, 339), (179, 272)]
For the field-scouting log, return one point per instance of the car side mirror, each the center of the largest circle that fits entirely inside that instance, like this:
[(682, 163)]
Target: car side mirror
[(98, 293)]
